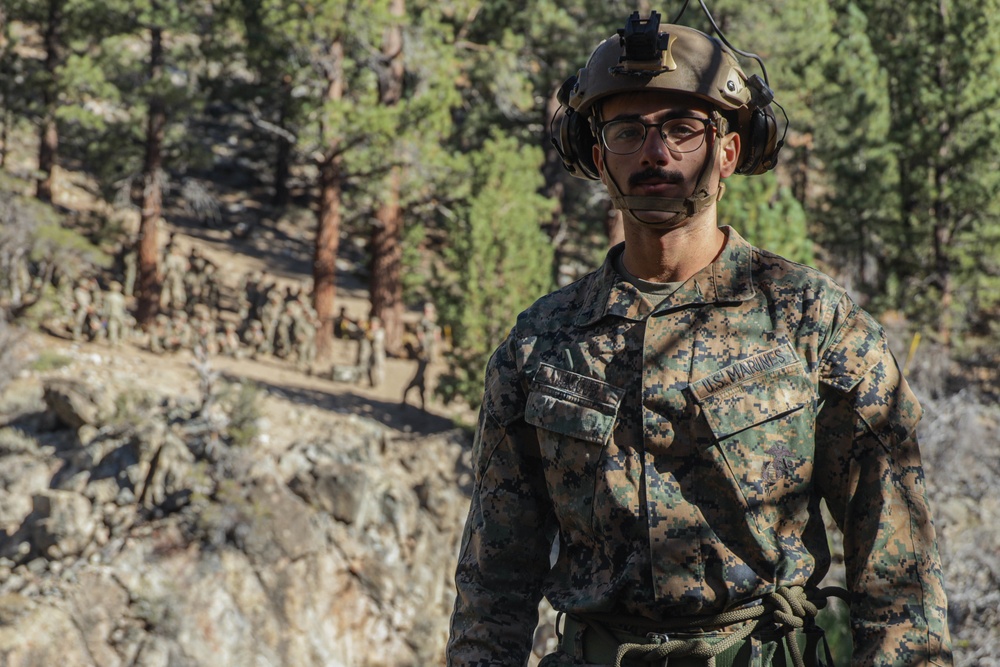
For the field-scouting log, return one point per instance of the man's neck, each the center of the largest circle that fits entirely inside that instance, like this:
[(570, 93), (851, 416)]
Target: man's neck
[(674, 255)]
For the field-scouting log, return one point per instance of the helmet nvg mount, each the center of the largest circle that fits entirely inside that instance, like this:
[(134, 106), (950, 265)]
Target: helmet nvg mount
[(679, 60)]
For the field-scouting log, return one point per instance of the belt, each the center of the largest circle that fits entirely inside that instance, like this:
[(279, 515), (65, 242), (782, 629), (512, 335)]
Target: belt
[(600, 645), (741, 637)]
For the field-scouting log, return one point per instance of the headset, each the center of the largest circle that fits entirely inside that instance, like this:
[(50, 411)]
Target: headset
[(573, 139)]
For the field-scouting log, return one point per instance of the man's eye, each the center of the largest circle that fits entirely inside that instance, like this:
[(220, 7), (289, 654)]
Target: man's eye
[(625, 131), (682, 130)]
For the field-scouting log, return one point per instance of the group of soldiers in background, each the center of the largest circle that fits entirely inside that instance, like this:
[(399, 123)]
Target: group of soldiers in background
[(269, 320), (188, 281), (421, 342), (99, 314), (266, 319)]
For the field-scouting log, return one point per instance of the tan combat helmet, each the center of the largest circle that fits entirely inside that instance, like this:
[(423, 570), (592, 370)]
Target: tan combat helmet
[(681, 60), (676, 59)]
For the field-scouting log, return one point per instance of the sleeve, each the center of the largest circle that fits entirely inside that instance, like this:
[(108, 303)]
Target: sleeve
[(866, 440), (508, 533)]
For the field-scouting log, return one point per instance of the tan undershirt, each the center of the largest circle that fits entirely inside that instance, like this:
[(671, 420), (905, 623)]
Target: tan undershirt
[(655, 293)]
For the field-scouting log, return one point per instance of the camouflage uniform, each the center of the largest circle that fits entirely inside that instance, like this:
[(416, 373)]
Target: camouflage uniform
[(229, 341), (115, 314), (678, 455), (376, 365), (304, 324), (429, 332), (255, 338), (83, 307), (175, 268), (271, 314)]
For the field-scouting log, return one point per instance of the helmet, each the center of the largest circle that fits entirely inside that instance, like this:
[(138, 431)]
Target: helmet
[(678, 60)]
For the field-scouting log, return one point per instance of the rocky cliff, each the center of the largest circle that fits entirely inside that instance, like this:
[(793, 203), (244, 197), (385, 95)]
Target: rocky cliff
[(153, 530)]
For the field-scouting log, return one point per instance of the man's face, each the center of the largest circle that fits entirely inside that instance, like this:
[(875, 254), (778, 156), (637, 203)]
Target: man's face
[(656, 168)]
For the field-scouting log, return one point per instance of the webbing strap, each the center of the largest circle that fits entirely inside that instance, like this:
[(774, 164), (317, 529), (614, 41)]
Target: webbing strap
[(788, 607)]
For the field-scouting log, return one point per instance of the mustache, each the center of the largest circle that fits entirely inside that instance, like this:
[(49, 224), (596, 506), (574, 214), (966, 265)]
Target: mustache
[(655, 174)]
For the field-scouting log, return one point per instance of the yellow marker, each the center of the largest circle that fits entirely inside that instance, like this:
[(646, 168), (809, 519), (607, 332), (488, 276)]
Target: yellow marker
[(914, 344)]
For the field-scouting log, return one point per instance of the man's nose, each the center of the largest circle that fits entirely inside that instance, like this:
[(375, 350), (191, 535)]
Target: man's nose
[(654, 148)]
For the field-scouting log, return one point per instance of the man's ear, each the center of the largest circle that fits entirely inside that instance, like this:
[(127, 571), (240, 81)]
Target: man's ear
[(729, 155), (595, 152)]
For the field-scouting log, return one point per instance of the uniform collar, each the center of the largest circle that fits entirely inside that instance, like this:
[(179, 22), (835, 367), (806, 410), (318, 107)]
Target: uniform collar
[(728, 279)]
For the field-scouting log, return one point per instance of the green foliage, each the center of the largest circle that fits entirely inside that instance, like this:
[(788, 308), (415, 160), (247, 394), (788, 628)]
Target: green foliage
[(133, 406), (860, 208), (58, 244), (835, 619), (49, 360), (244, 415), (497, 261), (767, 215), (942, 63), (11, 358)]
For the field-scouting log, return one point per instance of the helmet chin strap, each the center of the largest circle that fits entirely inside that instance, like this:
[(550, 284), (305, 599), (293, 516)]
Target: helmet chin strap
[(697, 201)]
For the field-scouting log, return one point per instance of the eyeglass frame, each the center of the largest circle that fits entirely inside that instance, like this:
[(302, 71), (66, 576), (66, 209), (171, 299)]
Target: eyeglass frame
[(600, 126)]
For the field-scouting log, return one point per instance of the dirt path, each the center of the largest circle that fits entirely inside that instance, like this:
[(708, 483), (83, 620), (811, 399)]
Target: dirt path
[(293, 403)]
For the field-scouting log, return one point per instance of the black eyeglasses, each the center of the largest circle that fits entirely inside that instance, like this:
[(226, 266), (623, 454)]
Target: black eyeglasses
[(681, 135)]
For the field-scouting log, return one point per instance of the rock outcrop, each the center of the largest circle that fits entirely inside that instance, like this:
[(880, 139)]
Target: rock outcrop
[(138, 532)]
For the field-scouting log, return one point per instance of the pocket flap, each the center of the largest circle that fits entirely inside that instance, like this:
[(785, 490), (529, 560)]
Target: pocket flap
[(753, 390), (572, 404)]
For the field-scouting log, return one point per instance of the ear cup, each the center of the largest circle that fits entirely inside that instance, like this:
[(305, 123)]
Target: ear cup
[(760, 143), (574, 142)]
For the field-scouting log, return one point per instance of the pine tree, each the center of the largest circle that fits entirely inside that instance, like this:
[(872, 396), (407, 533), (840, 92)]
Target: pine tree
[(767, 215), (497, 261), (942, 61)]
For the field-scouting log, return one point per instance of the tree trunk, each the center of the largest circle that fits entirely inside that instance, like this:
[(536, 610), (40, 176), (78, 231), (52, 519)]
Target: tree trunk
[(325, 257), (387, 261), (386, 248), (152, 192), (48, 147), (328, 217)]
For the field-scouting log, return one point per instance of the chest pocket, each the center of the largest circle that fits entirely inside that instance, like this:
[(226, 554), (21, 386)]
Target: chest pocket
[(575, 416), (571, 404), (761, 412)]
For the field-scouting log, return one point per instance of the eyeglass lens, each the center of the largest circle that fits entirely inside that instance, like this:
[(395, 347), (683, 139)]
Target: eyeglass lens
[(682, 135)]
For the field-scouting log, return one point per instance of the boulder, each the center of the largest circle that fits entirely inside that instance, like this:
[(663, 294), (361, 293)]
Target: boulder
[(61, 523), (77, 403)]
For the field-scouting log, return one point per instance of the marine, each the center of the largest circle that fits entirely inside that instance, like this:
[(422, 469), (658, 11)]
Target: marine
[(656, 440)]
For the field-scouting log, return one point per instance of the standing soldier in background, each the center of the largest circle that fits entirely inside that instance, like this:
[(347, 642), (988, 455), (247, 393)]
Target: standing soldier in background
[(419, 379), (115, 313), (344, 326), (194, 279), (270, 316), (305, 322), (364, 357), (159, 333), (656, 440), (376, 369), (175, 268), (131, 270), (254, 338), (247, 300), (229, 340), (82, 306), (211, 290), (429, 332)]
